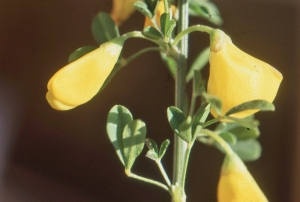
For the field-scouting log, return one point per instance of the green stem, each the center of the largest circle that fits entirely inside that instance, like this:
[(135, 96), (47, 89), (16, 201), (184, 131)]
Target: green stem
[(138, 34), (187, 157), (123, 62), (183, 33), (193, 103), (154, 182), (180, 146), (163, 172), (137, 54), (210, 122), (218, 139)]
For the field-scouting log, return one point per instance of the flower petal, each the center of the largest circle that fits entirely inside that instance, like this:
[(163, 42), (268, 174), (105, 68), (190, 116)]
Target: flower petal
[(236, 184), (79, 81), (236, 77)]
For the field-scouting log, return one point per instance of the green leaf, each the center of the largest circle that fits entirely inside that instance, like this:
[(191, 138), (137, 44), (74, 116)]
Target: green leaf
[(240, 131), (143, 8), (117, 118), (215, 102), (185, 129), (152, 155), (243, 133), (104, 28), (206, 10), (198, 84), (176, 118), (167, 25), (163, 148), (200, 118), (78, 53), (151, 144), (170, 63), (229, 137), (164, 22), (247, 150), (152, 4), (152, 33), (134, 135), (248, 123), (171, 26), (262, 105), (198, 64)]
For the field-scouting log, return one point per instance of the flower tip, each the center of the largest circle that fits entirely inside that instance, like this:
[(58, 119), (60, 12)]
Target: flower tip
[(217, 40), (56, 104)]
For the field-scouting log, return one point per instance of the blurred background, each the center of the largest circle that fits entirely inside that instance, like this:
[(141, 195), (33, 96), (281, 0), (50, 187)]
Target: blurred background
[(47, 155)]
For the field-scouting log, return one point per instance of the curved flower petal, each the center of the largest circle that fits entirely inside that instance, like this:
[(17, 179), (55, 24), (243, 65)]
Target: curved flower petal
[(79, 81), (236, 184), (122, 10), (237, 77)]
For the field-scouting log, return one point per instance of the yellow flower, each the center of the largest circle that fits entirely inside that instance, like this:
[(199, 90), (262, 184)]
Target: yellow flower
[(79, 81), (159, 11), (237, 77), (236, 183), (122, 10)]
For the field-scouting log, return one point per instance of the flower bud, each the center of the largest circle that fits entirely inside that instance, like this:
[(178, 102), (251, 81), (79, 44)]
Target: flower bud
[(236, 183), (236, 77), (122, 10), (79, 81)]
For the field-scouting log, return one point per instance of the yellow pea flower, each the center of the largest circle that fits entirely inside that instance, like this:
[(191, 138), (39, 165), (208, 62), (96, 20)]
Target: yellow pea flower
[(236, 77), (122, 10), (79, 81), (159, 11), (236, 184)]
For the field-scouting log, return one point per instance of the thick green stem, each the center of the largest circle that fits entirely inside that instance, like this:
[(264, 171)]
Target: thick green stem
[(187, 157), (180, 146)]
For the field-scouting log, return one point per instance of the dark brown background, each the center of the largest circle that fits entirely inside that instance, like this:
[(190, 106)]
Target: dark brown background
[(66, 156)]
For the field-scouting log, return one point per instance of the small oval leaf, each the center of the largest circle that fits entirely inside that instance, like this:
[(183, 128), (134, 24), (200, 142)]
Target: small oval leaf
[(198, 64), (247, 150), (229, 137), (163, 148), (134, 135), (143, 8), (248, 123), (215, 102), (152, 33), (152, 155), (104, 28), (78, 53), (117, 118), (151, 144), (262, 105), (200, 118)]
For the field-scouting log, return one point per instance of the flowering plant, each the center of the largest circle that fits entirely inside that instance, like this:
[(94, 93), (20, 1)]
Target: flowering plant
[(239, 85)]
